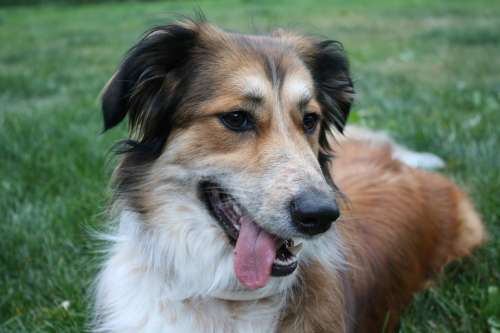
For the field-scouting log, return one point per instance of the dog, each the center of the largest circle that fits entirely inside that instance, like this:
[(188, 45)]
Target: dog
[(239, 207)]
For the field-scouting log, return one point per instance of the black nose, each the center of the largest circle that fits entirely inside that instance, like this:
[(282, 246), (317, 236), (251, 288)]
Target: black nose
[(313, 212)]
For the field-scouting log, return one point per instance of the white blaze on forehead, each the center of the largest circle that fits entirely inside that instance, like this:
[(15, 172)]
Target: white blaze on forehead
[(296, 89)]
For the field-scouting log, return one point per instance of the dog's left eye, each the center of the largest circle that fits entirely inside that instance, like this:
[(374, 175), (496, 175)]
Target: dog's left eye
[(238, 121), (309, 122)]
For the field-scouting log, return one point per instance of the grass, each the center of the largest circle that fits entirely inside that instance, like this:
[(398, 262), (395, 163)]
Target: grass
[(426, 71)]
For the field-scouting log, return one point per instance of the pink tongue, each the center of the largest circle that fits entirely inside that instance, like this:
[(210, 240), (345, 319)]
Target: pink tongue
[(255, 252)]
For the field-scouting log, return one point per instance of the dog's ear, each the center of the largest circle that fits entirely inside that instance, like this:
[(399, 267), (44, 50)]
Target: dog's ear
[(144, 84), (335, 92), (330, 70)]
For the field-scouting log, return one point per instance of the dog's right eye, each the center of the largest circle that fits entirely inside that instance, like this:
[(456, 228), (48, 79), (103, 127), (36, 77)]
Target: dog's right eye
[(238, 121)]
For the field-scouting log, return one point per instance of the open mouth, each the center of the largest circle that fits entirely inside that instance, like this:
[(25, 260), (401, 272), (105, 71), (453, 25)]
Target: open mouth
[(258, 254)]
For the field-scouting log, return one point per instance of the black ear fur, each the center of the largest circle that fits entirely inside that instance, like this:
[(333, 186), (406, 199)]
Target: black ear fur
[(114, 106), (330, 71), (335, 92), (143, 86)]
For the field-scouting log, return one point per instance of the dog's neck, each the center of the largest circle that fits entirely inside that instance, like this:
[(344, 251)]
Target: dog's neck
[(216, 315), (134, 295), (151, 282), (134, 301)]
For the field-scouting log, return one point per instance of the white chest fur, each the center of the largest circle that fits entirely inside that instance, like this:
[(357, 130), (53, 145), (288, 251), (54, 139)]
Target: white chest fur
[(132, 296), (130, 300)]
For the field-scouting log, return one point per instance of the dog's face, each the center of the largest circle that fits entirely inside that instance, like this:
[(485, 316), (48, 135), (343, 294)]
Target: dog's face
[(227, 164)]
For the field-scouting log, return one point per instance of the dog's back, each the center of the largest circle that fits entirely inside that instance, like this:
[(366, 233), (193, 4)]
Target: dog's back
[(400, 226)]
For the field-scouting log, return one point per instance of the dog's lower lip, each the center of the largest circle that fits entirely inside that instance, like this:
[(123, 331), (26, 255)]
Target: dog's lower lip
[(227, 213), (283, 270)]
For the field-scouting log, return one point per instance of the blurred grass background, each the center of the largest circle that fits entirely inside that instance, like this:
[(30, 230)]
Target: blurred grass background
[(426, 71)]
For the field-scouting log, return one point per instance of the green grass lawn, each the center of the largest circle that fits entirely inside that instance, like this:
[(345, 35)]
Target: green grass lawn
[(427, 71)]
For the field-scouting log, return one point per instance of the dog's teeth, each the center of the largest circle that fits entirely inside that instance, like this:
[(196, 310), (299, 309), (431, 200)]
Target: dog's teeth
[(236, 209), (295, 249), (284, 262)]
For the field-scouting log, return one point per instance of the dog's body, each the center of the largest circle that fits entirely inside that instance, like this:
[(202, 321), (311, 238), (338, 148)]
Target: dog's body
[(226, 174)]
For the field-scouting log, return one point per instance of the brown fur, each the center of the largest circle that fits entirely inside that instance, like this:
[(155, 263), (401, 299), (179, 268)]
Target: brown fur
[(213, 71), (318, 303), (400, 226)]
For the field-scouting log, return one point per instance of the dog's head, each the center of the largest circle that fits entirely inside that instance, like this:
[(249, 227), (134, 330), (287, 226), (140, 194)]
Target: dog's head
[(227, 161)]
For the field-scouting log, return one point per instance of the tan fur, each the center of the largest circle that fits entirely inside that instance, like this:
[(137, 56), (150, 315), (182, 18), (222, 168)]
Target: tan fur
[(400, 226), (312, 300), (471, 230), (234, 63)]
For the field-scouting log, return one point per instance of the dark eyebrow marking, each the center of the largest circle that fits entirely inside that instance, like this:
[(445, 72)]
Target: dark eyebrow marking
[(253, 97), (304, 100)]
